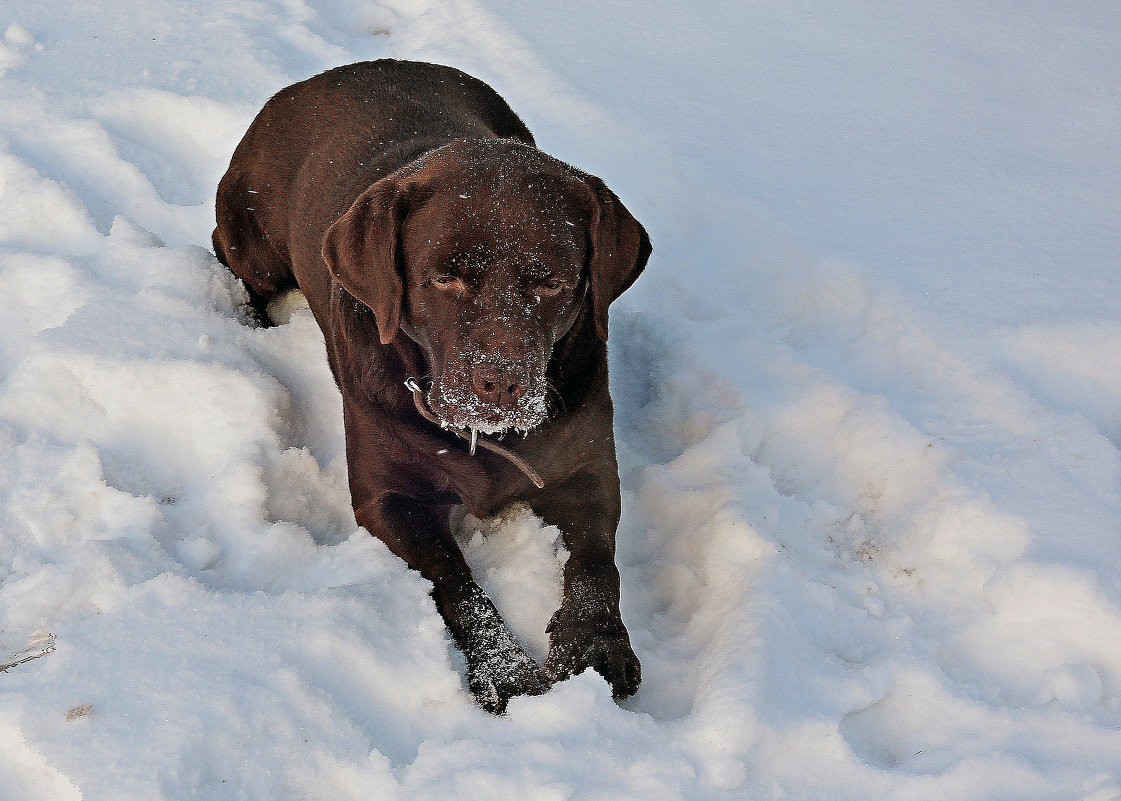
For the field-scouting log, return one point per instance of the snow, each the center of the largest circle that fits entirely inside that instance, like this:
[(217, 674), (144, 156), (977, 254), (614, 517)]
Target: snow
[(867, 404)]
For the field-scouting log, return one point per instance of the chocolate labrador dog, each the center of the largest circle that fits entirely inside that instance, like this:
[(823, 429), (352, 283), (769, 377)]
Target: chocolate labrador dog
[(462, 280)]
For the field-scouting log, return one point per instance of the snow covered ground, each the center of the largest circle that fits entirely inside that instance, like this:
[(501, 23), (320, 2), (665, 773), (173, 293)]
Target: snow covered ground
[(868, 407)]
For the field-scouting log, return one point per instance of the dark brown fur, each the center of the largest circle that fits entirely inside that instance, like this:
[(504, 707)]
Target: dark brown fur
[(429, 235)]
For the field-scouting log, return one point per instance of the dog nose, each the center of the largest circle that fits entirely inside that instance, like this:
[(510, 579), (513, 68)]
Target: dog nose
[(498, 386)]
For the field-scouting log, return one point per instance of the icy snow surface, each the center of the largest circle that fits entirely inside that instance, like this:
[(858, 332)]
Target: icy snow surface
[(868, 402)]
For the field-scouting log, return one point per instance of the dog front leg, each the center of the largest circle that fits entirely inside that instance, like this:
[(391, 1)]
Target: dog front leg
[(587, 630), (498, 668)]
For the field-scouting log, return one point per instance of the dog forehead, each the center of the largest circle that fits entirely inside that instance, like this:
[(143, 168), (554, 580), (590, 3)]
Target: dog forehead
[(501, 203), (473, 160)]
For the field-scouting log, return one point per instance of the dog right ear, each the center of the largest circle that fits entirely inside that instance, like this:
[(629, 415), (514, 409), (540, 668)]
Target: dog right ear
[(362, 250)]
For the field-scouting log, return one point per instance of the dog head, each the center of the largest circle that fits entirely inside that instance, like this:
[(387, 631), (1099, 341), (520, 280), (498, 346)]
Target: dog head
[(484, 252)]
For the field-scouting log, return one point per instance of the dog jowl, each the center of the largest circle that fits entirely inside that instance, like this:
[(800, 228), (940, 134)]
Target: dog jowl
[(436, 245)]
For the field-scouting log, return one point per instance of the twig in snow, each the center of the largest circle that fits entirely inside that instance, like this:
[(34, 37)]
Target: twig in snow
[(39, 645)]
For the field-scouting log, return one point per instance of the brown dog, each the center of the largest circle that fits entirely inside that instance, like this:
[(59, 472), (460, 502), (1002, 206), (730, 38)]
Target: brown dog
[(434, 242)]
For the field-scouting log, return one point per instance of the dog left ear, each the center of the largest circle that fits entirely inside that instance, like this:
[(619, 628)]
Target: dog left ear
[(361, 251), (620, 248)]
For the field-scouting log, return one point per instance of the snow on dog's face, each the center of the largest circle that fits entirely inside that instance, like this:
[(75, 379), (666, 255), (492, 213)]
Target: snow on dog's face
[(484, 252), (490, 248), (495, 276), (492, 286)]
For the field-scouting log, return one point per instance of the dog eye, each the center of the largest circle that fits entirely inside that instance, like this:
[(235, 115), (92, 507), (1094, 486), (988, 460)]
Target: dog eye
[(551, 287), (447, 281)]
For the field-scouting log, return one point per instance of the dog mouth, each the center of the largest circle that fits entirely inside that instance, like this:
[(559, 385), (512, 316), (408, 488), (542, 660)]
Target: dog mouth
[(457, 406)]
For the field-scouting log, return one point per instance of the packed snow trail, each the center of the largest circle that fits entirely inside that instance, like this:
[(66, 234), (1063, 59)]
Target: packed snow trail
[(867, 394)]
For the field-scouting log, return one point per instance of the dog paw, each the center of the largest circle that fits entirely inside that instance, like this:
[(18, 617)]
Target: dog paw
[(503, 673), (498, 668), (253, 316), (600, 642)]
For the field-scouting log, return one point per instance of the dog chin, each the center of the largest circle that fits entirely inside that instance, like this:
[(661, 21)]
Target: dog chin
[(469, 412)]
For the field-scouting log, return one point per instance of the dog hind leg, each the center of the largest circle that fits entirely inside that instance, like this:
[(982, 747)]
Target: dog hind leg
[(241, 245)]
